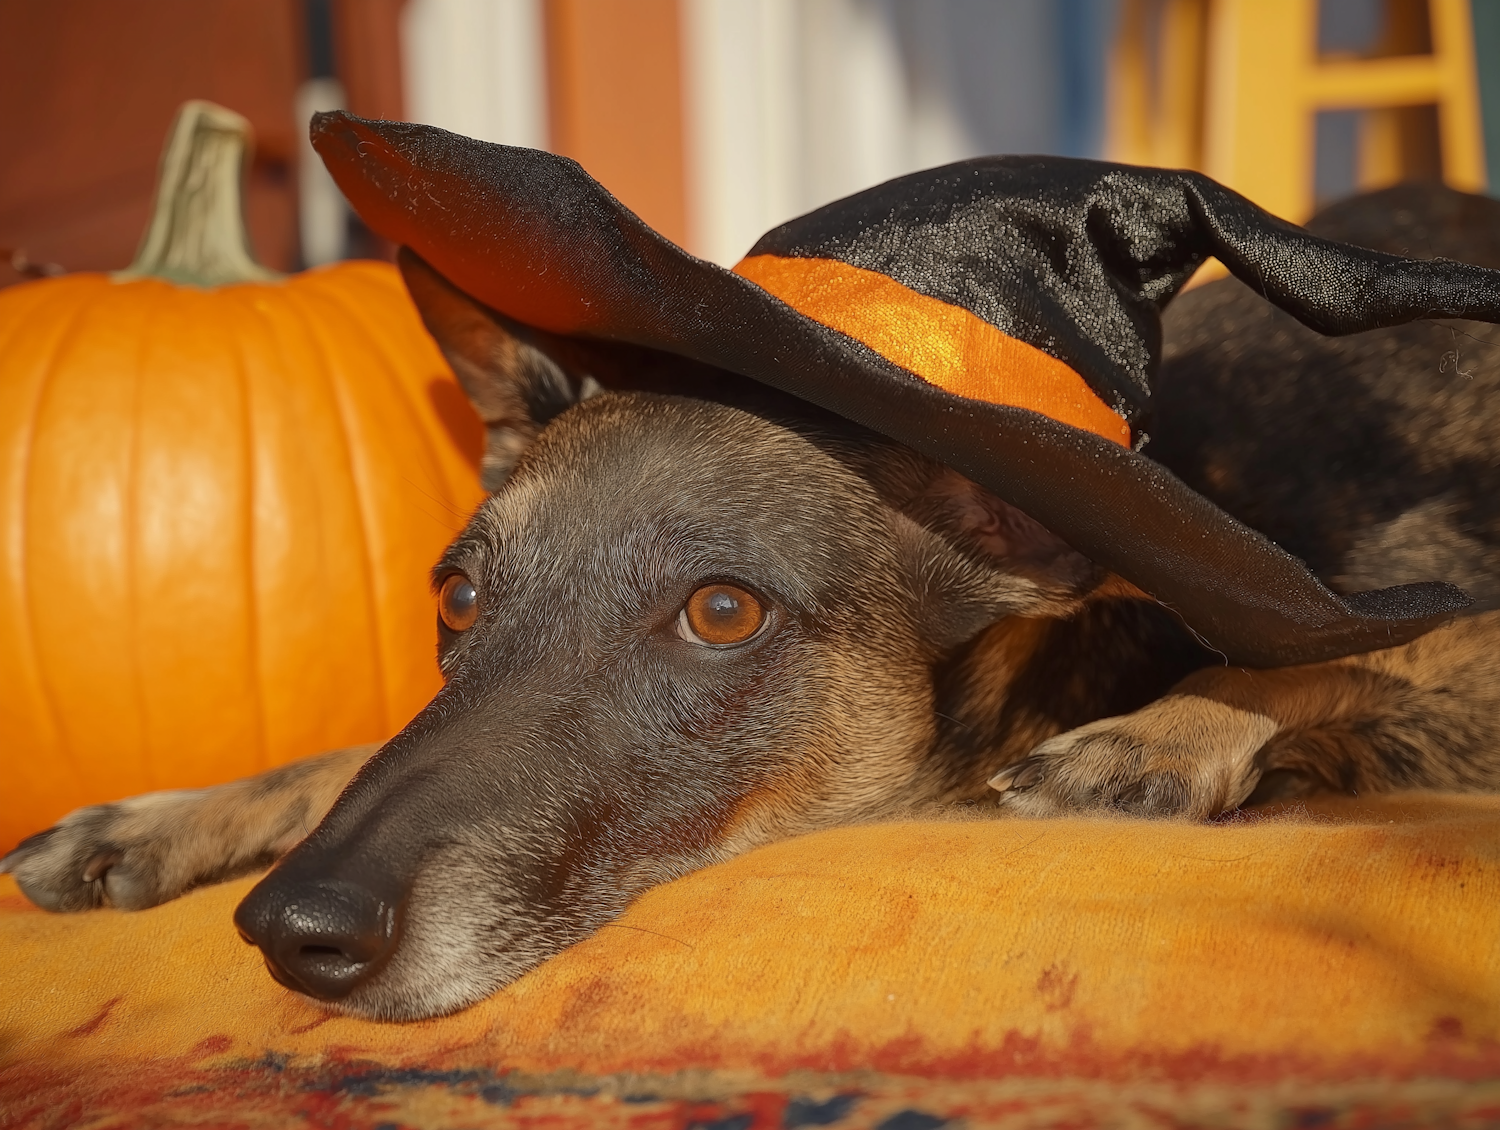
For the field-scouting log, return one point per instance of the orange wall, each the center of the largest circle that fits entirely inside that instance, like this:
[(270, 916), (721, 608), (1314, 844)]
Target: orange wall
[(87, 91), (615, 101), (367, 50), (90, 87)]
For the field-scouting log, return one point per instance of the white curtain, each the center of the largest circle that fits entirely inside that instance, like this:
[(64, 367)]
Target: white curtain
[(793, 103), (477, 67)]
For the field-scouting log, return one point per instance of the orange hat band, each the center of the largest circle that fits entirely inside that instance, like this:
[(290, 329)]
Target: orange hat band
[(945, 345)]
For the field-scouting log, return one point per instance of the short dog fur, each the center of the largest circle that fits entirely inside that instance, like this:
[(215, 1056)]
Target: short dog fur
[(923, 642)]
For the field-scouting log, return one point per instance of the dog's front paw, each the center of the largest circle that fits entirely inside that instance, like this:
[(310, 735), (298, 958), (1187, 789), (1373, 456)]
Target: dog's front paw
[(105, 855), (1180, 756)]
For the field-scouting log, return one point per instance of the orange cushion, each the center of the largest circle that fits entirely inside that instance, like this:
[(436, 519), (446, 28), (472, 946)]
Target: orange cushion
[(1347, 956)]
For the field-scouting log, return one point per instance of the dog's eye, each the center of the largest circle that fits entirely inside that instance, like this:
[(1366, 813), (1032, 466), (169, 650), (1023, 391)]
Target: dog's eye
[(458, 603), (720, 615)]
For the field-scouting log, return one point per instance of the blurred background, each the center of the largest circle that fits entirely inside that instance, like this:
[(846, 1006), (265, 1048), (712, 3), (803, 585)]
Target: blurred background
[(717, 119)]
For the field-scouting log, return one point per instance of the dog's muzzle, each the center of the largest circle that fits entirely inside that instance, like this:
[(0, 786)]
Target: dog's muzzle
[(323, 938)]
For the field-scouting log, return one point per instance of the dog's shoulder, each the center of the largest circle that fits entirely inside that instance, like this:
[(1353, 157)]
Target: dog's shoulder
[(1374, 457)]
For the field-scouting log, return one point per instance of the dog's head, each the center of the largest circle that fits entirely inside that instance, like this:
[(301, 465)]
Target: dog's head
[(680, 627)]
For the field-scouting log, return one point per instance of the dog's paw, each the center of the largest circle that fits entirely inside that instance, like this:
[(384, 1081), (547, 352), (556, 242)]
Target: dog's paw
[(1180, 756), (105, 855)]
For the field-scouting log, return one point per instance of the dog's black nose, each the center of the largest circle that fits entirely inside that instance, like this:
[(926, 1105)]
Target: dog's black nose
[(322, 937)]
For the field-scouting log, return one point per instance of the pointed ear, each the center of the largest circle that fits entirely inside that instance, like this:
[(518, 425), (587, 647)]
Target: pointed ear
[(1005, 537), (979, 559), (517, 378)]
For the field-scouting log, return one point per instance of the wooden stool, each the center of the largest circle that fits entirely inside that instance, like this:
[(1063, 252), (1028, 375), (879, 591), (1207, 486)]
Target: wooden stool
[(1233, 88)]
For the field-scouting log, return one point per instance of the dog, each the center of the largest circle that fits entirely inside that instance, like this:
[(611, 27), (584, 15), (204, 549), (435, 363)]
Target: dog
[(686, 625)]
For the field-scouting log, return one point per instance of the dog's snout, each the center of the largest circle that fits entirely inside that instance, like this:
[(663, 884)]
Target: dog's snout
[(322, 938)]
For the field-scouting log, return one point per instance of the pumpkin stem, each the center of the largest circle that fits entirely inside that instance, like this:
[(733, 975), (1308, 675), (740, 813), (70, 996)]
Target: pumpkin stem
[(197, 234)]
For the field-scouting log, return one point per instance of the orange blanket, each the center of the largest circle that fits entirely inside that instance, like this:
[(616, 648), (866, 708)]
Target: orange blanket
[(1011, 973)]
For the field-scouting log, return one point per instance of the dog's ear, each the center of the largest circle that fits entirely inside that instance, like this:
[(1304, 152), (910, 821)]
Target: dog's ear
[(518, 378), (978, 559)]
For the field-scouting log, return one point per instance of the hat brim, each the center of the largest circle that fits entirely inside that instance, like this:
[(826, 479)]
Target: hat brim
[(533, 236)]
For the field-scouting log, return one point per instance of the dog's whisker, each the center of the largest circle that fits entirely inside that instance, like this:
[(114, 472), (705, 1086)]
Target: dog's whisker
[(955, 721), (643, 930)]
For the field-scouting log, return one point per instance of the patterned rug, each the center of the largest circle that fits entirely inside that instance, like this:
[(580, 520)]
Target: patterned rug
[(1333, 968)]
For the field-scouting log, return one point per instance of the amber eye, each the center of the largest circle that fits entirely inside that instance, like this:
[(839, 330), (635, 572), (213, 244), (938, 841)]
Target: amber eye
[(458, 603), (720, 614)]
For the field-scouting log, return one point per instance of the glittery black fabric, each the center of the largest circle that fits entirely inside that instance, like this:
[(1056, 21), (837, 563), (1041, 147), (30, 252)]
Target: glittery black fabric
[(1079, 257), (1085, 256)]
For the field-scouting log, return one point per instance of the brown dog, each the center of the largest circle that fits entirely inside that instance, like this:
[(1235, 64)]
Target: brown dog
[(683, 627)]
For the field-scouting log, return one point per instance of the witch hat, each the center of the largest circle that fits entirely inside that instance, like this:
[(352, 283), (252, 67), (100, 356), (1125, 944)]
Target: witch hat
[(1001, 315)]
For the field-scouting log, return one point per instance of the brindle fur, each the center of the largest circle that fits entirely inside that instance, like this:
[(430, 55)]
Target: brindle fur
[(926, 643)]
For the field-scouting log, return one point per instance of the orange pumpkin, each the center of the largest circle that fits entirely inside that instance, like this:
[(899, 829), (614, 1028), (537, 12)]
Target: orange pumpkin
[(220, 494)]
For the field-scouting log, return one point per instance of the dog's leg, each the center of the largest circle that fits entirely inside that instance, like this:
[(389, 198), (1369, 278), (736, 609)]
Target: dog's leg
[(146, 850), (1426, 715)]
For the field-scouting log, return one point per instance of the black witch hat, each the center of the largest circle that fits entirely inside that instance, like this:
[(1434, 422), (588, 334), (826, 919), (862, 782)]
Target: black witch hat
[(1002, 315)]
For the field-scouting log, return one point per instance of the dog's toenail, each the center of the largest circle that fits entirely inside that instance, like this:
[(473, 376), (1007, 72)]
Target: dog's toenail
[(1017, 777)]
